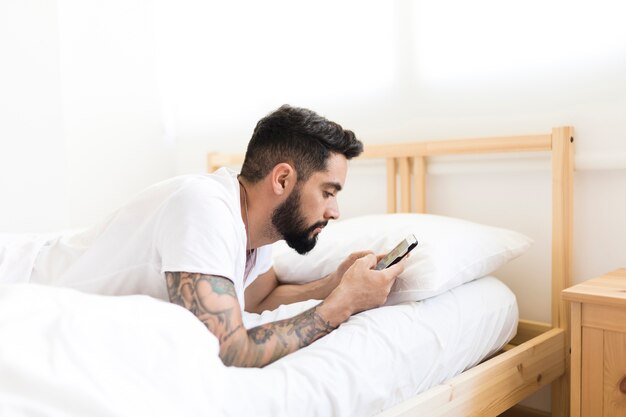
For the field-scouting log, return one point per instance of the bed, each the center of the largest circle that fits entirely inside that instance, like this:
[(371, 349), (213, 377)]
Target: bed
[(539, 353), (69, 353)]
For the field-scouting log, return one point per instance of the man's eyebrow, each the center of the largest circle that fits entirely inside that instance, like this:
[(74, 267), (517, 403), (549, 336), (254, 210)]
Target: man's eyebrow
[(335, 185)]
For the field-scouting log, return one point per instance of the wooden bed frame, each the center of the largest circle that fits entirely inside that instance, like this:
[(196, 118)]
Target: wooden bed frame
[(539, 354)]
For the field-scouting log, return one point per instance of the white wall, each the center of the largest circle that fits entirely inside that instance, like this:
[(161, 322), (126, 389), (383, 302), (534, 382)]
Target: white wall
[(111, 105), (80, 113), (32, 145)]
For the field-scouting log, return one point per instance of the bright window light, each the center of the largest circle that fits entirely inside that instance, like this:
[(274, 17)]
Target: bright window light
[(457, 41)]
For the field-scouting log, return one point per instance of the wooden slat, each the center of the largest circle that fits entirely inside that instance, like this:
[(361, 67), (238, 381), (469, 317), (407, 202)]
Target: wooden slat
[(493, 386), (528, 143), (419, 184), (391, 185), (405, 185)]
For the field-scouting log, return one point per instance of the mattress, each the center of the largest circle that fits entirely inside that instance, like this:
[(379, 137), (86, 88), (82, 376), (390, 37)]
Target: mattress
[(76, 354)]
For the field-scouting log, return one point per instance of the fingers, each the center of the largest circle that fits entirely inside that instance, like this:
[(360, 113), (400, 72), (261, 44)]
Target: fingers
[(360, 254), (368, 260), (366, 288)]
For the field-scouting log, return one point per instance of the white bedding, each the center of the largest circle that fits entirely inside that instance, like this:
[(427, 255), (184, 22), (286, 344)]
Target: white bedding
[(65, 353)]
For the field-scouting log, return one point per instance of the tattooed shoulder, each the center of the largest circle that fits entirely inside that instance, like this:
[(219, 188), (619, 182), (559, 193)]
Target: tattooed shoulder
[(219, 285), (183, 286)]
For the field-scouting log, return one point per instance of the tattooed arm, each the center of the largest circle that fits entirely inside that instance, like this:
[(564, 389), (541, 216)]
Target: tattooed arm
[(213, 300)]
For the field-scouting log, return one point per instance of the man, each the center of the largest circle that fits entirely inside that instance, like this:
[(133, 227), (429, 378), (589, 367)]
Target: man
[(203, 241)]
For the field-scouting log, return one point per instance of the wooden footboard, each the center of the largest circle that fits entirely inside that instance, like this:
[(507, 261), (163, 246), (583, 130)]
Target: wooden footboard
[(495, 385)]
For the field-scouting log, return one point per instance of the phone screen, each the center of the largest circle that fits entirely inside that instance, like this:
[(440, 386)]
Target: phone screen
[(397, 253)]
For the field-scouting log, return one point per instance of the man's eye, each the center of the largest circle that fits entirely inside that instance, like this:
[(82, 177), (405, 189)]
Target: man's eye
[(328, 195)]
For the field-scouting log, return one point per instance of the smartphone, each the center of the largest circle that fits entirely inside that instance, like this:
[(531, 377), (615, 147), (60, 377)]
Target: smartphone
[(397, 253)]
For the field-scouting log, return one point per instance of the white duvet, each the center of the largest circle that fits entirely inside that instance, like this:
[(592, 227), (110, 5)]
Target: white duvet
[(66, 353)]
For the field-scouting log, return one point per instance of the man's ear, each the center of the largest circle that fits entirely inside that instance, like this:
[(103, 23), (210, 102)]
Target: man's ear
[(283, 178)]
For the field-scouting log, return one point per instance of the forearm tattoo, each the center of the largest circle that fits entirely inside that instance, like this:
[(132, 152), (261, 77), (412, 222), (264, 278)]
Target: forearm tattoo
[(213, 300)]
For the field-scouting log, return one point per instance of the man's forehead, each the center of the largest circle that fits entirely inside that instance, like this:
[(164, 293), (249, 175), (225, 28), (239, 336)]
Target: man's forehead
[(335, 173)]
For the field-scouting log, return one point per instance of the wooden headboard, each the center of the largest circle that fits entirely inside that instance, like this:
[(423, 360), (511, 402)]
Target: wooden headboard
[(406, 192), (408, 161)]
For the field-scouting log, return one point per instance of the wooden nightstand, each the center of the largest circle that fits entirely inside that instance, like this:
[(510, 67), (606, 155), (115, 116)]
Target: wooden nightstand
[(598, 360)]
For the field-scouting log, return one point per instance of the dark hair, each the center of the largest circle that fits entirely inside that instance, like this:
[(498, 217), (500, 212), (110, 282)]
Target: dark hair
[(297, 136)]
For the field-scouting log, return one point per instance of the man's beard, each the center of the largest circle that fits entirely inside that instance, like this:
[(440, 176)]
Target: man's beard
[(290, 223)]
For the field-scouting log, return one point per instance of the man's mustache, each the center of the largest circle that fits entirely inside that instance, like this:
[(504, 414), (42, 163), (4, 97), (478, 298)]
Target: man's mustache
[(316, 225)]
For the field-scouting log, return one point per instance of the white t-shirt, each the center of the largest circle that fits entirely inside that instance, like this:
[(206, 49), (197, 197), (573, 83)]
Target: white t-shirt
[(190, 223)]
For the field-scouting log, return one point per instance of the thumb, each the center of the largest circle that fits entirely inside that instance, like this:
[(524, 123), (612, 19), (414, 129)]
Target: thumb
[(360, 254)]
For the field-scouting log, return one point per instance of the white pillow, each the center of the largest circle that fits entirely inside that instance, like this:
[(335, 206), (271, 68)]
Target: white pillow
[(450, 251)]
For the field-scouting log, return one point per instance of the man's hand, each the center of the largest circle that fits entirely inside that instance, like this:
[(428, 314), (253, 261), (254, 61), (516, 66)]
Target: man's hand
[(267, 293), (361, 288), (347, 263)]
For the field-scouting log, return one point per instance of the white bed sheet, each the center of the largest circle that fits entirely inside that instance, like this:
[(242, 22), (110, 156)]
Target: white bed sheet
[(65, 353), (17, 255)]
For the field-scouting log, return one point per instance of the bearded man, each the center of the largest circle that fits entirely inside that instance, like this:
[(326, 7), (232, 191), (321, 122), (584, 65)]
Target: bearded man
[(204, 242)]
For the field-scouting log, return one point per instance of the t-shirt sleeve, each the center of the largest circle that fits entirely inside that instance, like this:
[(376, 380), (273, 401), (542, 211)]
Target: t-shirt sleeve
[(198, 232)]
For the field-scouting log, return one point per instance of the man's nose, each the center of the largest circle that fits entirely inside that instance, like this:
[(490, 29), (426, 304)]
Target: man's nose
[(332, 211)]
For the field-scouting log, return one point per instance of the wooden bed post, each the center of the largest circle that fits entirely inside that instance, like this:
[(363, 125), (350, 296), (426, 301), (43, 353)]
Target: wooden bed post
[(562, 221)]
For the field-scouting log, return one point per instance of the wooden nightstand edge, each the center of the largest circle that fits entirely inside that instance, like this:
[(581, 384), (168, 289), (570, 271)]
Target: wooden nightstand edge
[(609, 289)]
